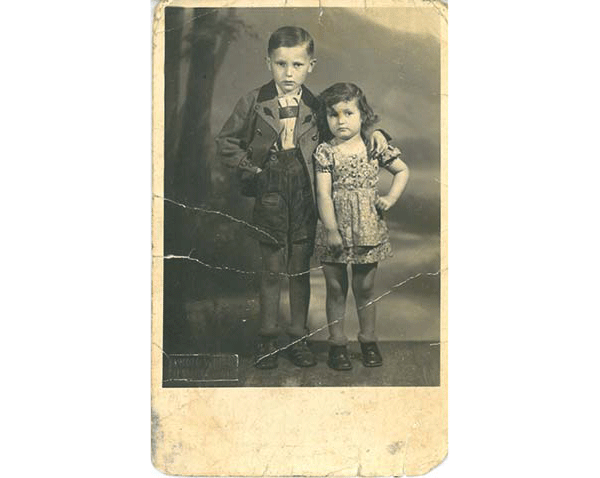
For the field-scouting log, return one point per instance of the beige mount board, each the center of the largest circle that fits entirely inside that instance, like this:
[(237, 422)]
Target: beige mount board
[(297, 427)]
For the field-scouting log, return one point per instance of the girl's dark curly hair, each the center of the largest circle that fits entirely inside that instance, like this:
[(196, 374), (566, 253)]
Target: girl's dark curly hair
[(344, 92)]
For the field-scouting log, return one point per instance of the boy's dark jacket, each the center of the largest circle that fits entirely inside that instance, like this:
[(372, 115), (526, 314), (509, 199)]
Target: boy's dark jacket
[(253, 127)]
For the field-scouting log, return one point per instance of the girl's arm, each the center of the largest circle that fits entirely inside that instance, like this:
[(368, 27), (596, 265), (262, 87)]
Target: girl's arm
[(400, 171), (327, 211)]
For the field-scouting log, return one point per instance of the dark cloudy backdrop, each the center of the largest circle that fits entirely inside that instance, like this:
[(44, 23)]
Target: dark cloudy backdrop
[(214, 56)]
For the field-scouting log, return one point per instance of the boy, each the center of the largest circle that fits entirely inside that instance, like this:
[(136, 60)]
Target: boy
[(269, 139)]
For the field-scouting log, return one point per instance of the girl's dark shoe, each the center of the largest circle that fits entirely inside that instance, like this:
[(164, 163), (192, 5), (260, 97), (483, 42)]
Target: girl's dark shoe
[(371, 357), (301, 355), (338, 358), (265, 354)]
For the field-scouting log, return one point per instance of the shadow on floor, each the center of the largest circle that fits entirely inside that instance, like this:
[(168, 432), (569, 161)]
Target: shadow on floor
[(406, 364)]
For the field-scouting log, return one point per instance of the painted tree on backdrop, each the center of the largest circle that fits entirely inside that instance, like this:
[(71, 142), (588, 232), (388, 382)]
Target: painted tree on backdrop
[(196, 41)]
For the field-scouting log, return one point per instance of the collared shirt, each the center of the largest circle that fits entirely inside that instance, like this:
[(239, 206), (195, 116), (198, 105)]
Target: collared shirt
[(286, 135)]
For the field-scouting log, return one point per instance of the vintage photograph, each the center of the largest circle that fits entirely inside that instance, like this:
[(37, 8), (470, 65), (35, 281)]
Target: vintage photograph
[(301, 197)]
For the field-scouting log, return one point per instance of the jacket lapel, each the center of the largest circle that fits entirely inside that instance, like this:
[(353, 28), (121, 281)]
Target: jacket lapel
[(306, 115), (267, 106)]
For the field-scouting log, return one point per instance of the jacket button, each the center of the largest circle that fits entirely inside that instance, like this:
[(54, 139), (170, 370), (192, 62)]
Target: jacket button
[(249, 150), (259, 132), (273, 157), (315, 137)]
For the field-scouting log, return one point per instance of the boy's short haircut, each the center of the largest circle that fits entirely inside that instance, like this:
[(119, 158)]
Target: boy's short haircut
[(291, 37)]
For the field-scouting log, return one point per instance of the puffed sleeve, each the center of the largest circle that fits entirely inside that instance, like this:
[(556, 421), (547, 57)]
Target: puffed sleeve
[(323, 159), (390, 154)]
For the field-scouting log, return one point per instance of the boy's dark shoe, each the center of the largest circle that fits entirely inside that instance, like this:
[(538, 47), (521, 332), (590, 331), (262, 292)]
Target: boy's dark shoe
[(301, 355), (338, 358), (371, 357), (265, 353)]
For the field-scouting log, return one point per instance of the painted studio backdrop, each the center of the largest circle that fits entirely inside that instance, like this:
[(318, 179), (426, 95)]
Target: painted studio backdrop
[(212, 58)]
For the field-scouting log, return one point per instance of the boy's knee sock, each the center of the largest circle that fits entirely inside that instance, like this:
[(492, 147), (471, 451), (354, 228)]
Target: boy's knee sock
[(296, 333), (269, 304), (269, 331), (299, 301)]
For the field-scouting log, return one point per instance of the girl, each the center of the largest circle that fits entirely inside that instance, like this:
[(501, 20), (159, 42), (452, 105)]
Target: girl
[(351, 228)]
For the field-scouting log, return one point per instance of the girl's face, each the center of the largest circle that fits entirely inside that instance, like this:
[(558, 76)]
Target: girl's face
[(344, 119)]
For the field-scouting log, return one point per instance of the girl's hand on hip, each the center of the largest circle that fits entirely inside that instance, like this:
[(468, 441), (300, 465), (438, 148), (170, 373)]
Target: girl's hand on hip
[(383, 203)]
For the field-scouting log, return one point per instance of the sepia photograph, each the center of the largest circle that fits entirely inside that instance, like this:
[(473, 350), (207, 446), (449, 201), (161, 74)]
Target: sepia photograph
[(301, 198), (299, 238), (293, 298)]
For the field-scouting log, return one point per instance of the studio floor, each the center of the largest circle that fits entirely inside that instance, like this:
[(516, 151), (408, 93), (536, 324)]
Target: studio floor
[(406, 364)]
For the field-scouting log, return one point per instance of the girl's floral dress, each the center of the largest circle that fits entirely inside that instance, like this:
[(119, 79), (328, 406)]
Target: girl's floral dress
[(354, 192)]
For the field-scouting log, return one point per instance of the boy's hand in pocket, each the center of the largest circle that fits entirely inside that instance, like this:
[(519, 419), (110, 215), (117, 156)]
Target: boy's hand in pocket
[(334, 241)]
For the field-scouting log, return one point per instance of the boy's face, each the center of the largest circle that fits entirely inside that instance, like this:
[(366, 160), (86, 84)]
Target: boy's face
[(344, 119), (290, 66)]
